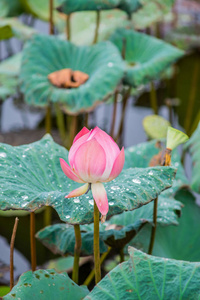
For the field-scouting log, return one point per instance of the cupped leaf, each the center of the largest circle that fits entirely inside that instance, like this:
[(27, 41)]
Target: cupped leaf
[(146, 57), (155, 126), (31, 177), (116, 232), (149, 277), (10, 27), (46, 284), (175, 138), (194, 147), (102, 62)]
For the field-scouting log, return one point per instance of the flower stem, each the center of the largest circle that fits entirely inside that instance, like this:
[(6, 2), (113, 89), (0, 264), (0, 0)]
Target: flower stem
[(68, 29), (77, 250), (153, 230), (32, 237), (97, 27), (91, 275), (48, 119), (73, 128), (60, 123), (12, 242), (51, 25), (97, 265), (114, 114), (153, 98), (121, 253), (125, 101)]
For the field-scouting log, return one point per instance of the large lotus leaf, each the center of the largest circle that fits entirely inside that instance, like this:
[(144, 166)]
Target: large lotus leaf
[(10, 8), (8, 86), (11, 65), (102, 62), (37, 180), (70, 6), (147, 277), (116, 232), (140, 156), (179, 242), (13, 27), (194, 147), (146, 56), (46, 284)]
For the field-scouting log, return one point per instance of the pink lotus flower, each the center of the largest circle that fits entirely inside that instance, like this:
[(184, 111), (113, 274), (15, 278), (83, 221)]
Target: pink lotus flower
[(94, 158)]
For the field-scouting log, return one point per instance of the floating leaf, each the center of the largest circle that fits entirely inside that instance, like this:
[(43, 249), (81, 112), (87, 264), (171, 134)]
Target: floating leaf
[(148, 277), (102, 62), (65, 264), (31, 177), (155, 126), (146, 57), (194, 147), (116, 232), (46, 284)]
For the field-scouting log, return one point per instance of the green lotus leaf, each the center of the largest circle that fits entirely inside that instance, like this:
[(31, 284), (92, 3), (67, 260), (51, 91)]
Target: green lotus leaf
[(151, 13), (46, 284), (10, 27), (11, 65), (130, 6), (10, 8), (4, 290), (146, 57), (60, 238), (8, 86), (65, 264), (188, 93), (178, 242), (148, 277), (175, 138), (185, 38), (83, 25), (194, 147), (37, 180), (141, 155), (155, 126), (40, 9), (70, 6), (102, 62)]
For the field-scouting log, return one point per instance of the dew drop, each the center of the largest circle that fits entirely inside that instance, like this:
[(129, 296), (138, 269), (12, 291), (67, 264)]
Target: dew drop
[(136, 181), (3, 154), (91, 202), (76, 200)]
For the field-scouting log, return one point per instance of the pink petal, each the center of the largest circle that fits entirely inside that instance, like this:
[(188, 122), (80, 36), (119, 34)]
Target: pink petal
[(111, 149), (83, 131), (76, 144), (100, 197), (90, 161), (79, 191), (68, 171), (118, 165)]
